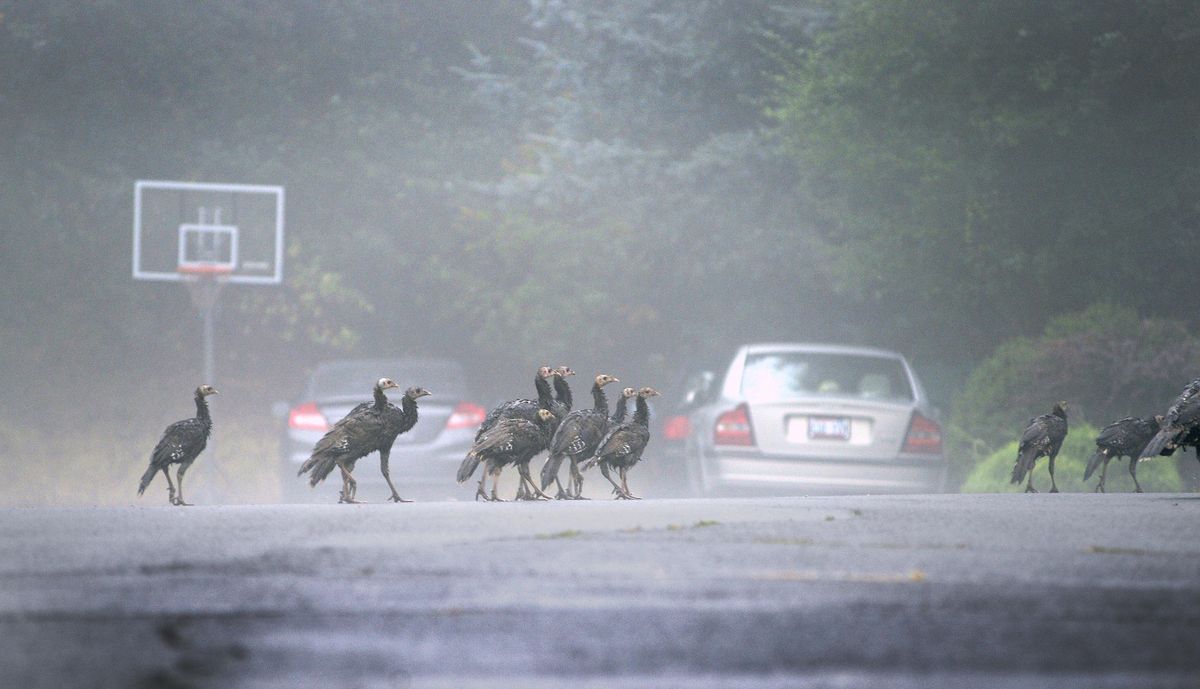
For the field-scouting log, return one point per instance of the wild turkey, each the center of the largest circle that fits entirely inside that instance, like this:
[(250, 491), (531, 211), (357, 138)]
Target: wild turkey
[(1042, 438), (527, 409), (1181, 424), (622, 446), (576, 438), (562, 391), (1124, 438), (622, 407), (181, 443), (521, 408), (364, 430), (510, 441)]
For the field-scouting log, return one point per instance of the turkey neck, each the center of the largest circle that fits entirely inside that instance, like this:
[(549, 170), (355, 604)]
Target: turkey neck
[(642, 416), (599, 399), (409, 406), (543, 389), (562, 391), (622, 405), (380, 399), (202, 411)]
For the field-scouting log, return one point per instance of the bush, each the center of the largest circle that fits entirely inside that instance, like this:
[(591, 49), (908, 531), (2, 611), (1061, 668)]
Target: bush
[(1105, 361), (994, 473)]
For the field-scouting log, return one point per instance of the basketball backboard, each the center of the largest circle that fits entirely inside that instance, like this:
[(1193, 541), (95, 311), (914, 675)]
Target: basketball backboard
[(181, 229)]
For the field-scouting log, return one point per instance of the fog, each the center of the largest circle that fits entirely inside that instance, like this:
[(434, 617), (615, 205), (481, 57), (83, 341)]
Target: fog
[(631, 187)]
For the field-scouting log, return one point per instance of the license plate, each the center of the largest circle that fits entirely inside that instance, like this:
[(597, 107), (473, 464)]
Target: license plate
[(828, 428)]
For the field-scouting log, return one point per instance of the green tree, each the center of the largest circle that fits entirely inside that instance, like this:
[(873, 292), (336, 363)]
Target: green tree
[(637, 135), (985, 166)]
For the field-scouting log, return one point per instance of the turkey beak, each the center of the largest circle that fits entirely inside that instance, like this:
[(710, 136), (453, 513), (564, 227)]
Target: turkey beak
[(425, 393), (214, 392)]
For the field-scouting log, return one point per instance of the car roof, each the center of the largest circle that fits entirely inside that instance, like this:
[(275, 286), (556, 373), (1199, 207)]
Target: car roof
[(353, 377), (765, 347), (407, 362)]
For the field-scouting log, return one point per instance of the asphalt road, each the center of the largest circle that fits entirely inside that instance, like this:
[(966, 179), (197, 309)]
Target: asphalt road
[(915, 591)]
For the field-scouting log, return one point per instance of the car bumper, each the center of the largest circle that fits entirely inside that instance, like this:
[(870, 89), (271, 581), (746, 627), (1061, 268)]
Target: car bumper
[(809, 475)]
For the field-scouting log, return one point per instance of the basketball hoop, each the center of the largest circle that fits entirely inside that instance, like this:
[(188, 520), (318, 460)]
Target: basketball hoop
[(204, 282), (206, 236)]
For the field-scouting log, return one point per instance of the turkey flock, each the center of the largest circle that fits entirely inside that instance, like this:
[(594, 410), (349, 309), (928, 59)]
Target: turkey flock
[(516, 431), (512, 434), (1138, 438)]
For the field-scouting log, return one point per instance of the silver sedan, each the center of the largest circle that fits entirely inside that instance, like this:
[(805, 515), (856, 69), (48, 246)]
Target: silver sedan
[(805, 418)]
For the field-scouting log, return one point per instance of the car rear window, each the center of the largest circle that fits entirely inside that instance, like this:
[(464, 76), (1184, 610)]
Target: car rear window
[(444, 379), (789, 375)]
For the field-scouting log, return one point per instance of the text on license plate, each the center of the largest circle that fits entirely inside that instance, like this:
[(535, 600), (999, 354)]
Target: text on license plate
[(828, 428)]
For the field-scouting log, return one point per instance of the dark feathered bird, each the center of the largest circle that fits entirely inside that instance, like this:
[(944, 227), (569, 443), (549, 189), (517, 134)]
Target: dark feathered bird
[(562, 391), (379, 400), (1180, 424), (617, 417), (1190, 438), (560, 406), (1124, 438), (1042, 438), (527, 409), (521, 408), (622, 446), (512, 441), (399, 420), (622, 409), (576, 439), (367, 428), (181, 443)]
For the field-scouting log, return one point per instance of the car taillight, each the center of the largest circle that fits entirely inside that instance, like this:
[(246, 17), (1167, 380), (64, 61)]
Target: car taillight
[(924, 436), (307, 417), (677, 427), (466, 415), (733, 427)]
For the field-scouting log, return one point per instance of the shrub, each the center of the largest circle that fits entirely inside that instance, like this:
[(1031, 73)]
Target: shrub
[(1105, 361), (993, 474)]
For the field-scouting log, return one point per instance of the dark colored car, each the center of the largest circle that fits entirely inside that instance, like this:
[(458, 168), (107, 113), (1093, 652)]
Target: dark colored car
[(423, 460), (807, 418)]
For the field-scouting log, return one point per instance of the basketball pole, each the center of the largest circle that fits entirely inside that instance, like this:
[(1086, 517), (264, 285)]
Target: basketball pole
[(205, 291), (210, 374)]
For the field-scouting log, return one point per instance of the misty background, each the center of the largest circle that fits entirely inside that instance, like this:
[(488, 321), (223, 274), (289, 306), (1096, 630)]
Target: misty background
[(1005, 192)]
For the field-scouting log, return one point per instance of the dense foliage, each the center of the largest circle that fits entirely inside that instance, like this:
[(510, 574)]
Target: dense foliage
[(985, 166), (633, 186), (509, 183)]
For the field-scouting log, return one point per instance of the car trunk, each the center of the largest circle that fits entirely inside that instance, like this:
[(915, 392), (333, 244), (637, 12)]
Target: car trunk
[(835, 429)]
